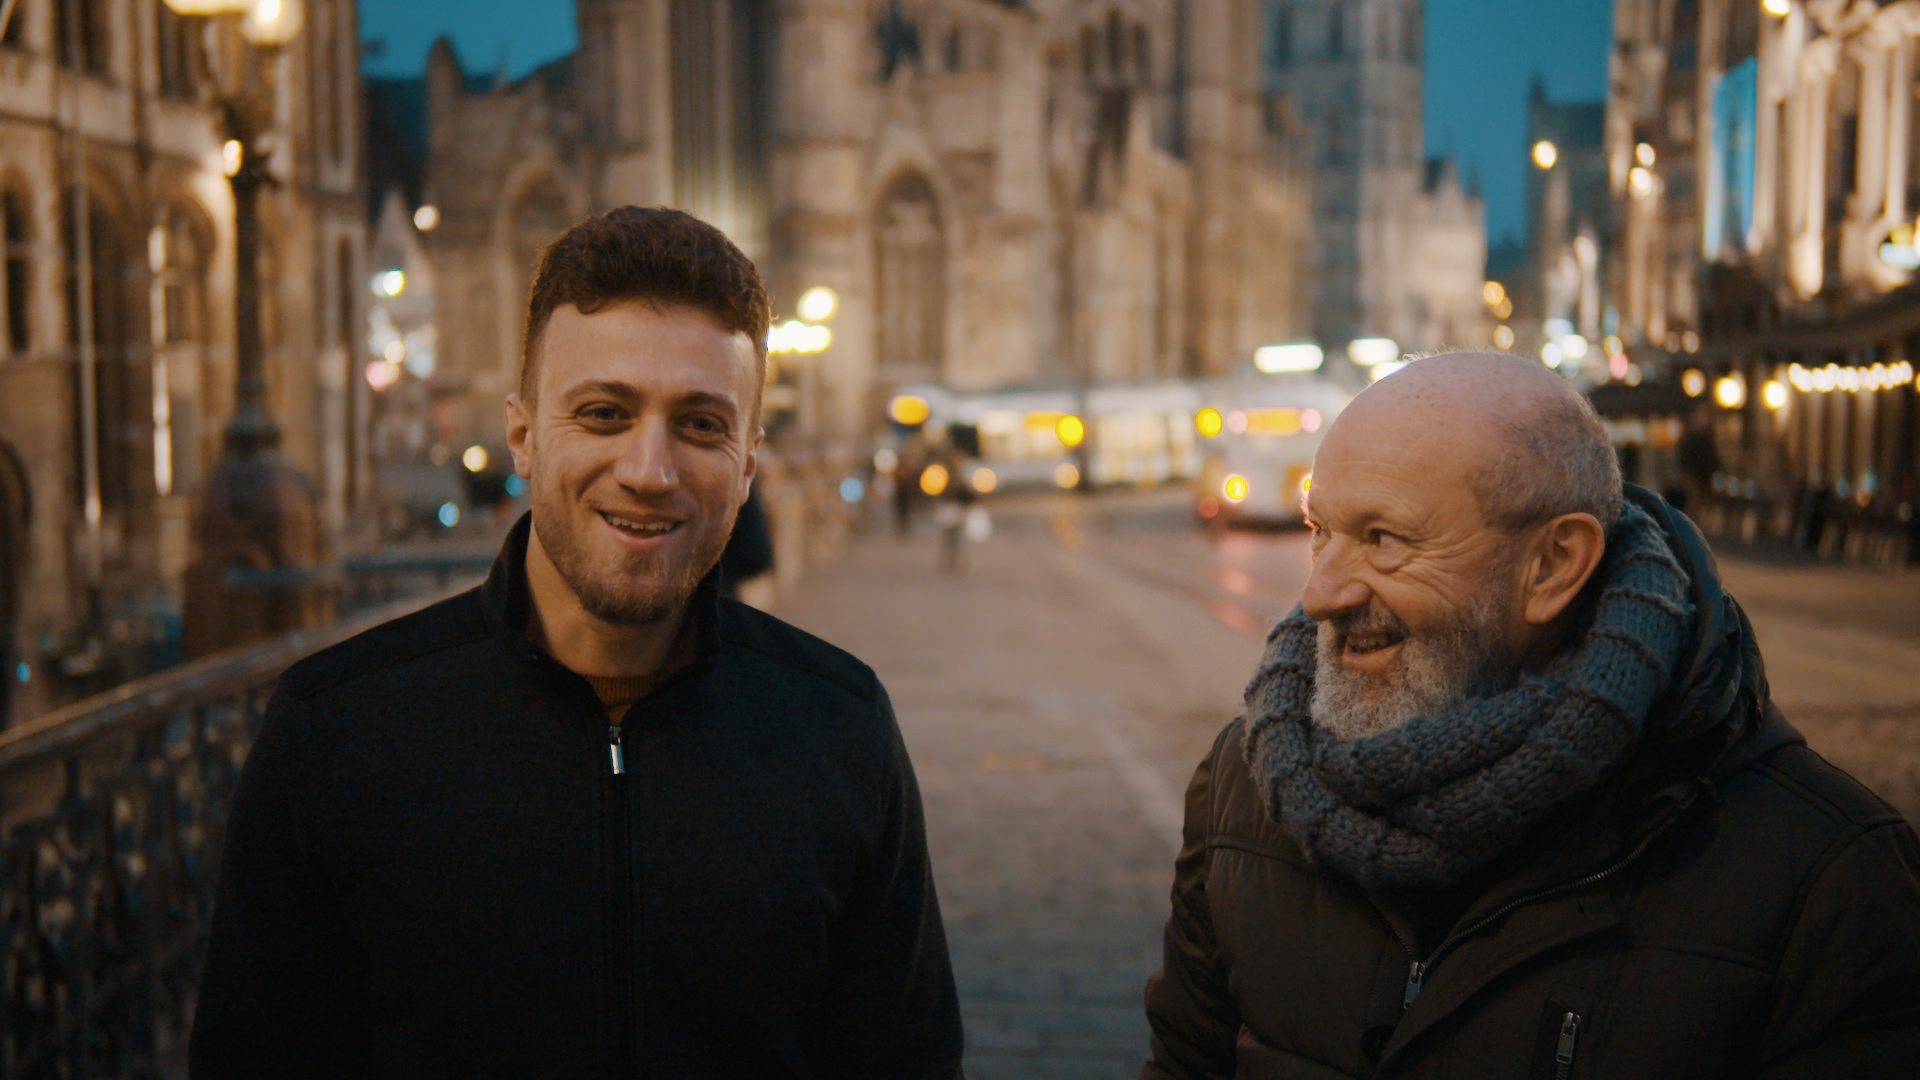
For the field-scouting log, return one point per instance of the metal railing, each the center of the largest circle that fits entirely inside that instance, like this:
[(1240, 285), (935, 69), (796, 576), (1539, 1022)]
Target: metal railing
[(112, 813)]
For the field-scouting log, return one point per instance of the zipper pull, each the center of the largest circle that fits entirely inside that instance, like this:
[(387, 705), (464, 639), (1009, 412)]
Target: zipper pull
[(1569, 1032), (1416, 978), (613, 750)]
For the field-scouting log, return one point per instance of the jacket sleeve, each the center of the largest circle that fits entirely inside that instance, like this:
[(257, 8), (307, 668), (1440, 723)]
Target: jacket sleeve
[(283, 990), (1189, 1006), (893, 1011), (1848, 998)]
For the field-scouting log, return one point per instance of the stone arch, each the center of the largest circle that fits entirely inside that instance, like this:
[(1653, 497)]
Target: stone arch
[(16, 514), (910, 258)]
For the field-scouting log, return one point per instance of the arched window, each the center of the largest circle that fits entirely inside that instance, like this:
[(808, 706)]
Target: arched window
[(117, 423), (1280, 45), (85, 43), (17, 269), (1410, 32), (178, 53), (1116, 46), (910, 271), (14, 37), (1383, 34), (1336, 33), (179, 249), (1142, 54)]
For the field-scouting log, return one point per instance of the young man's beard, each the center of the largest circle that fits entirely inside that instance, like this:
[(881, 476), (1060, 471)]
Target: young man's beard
[(1467, 657), (639, 591)]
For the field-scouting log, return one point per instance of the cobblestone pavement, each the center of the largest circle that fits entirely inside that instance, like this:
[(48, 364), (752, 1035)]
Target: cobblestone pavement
[(1056, 695)]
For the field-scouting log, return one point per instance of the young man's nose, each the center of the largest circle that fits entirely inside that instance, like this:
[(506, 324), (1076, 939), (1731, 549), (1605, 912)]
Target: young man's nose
[(646, 460)]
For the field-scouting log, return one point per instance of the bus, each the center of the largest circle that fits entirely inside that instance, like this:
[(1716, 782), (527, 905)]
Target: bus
[(1258, 436)]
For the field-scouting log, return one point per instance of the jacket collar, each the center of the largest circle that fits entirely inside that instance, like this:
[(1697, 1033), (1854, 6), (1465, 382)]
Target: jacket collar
[(509, 602)]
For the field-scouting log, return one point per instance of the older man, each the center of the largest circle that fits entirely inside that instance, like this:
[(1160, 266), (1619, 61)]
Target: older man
[(1509, 798)]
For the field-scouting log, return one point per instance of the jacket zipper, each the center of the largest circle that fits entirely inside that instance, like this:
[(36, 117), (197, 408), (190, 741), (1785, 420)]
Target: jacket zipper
[(620, 915), (1417, 974), (1563, 1052)]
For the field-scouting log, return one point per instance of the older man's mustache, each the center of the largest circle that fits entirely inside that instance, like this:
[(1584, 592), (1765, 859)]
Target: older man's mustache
[(1369, 621)]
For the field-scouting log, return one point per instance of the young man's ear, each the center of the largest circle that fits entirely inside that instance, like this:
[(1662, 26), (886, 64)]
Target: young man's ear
[(752, 463), (1564, 557), (519, 433)]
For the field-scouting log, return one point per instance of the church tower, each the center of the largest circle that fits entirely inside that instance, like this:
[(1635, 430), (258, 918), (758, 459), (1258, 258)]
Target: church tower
[(1355, 68)]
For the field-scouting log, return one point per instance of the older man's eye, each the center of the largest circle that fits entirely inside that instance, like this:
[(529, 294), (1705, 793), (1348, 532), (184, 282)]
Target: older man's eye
[(1380, 537)]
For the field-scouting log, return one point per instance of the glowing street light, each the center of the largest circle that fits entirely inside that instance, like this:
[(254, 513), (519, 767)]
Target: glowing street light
[(427, 218), (1545, 154), (1779, 9), (1071, 430), (1493, 292), (909, 410), (1643, 153), (1639, 182), (474, 458), (1273, 359), (1730, 391), (1774, 394), (818, 304), (1373, 351), (1208, 422)]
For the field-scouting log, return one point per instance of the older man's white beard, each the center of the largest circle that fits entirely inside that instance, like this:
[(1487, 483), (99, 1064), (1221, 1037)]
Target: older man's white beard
[(1435, 671)]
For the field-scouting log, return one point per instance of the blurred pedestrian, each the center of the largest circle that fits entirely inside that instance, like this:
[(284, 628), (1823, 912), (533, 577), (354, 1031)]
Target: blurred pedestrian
[(589, 819), (749, 552), (1509, 798), (906, 485), (957, 502)]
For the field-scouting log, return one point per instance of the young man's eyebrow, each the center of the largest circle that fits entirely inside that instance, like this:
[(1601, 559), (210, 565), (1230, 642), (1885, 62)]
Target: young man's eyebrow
[(626, 391), (606, 387)]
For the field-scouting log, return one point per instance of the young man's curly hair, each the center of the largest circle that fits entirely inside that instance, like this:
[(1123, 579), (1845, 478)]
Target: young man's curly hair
[(666, 257)]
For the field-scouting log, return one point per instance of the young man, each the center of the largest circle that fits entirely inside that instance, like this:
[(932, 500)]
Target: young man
[(1510, 800), (590, 819)]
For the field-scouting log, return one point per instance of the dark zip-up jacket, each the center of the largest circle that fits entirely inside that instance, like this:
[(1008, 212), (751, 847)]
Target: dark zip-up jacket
[(1728, 905), (442, 862)]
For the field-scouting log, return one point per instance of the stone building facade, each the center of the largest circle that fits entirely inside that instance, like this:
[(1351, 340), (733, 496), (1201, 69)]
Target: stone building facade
[(108, 104), (1766, 163), (1399, 247), (1061, 191)]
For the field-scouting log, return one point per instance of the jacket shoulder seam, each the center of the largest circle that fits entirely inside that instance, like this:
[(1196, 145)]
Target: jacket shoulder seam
[(864, 693), (1805, 793), (304, 681)]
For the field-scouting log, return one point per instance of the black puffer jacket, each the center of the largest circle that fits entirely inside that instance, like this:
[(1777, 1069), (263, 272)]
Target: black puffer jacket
[(1729, 905), (433, 870)]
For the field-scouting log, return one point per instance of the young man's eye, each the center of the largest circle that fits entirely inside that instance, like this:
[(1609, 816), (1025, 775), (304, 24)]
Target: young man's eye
[(604, 414)]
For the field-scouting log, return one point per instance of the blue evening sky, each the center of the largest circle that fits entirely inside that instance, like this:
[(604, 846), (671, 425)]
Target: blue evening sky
[(1481, 56)]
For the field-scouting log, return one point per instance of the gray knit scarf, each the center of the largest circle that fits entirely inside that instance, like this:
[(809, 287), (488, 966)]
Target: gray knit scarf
[(1430, 801)]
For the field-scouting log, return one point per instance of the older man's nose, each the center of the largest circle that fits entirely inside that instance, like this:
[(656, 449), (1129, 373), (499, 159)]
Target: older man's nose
[(1332, 587), (646, 462)]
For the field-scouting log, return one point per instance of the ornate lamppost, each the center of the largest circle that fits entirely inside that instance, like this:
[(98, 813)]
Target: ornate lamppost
[(256, 517)]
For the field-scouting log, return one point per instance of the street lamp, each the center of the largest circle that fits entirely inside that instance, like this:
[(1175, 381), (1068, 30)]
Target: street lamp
[(1545, 154), (257, 512)]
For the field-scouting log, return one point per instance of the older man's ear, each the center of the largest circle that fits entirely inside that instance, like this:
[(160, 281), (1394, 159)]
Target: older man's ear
[(1562, 559)]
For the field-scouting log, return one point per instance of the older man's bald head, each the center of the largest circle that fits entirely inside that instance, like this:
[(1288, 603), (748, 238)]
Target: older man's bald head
[(1527, 444)]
